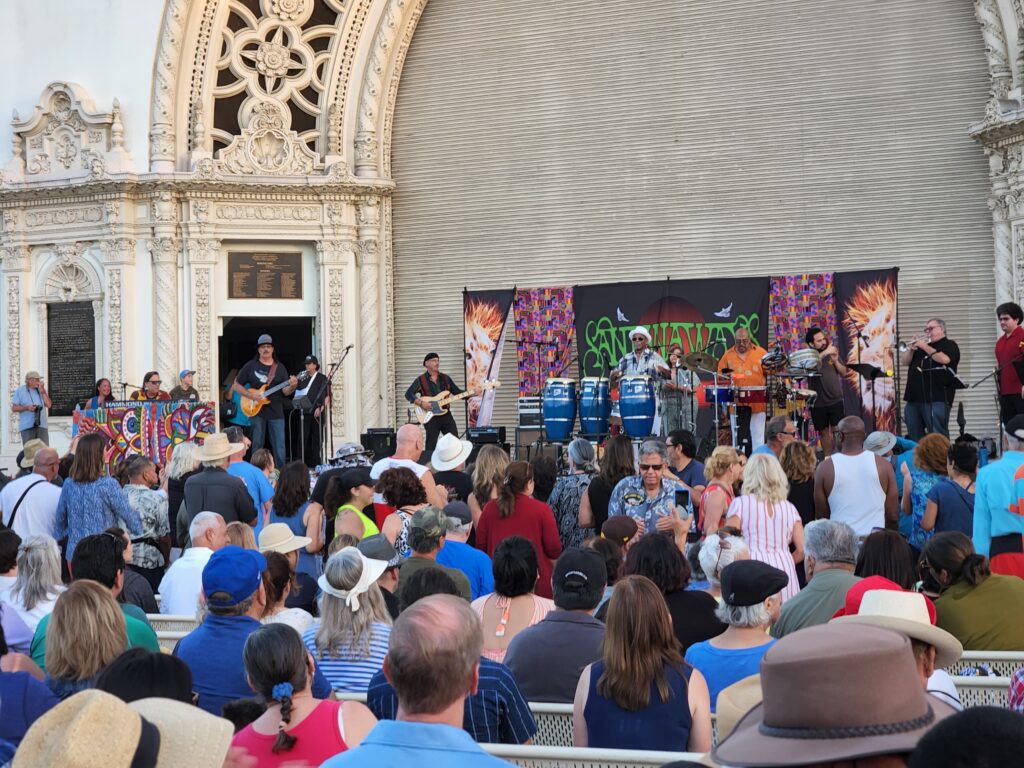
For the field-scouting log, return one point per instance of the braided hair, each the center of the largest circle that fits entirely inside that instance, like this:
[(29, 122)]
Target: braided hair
[(276, 662)]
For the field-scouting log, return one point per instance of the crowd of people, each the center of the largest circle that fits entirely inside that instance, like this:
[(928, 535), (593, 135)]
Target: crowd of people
[(647, 589)]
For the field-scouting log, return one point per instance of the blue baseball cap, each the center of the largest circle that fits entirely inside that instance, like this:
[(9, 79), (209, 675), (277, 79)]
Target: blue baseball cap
[(233, 571), (184, 373)]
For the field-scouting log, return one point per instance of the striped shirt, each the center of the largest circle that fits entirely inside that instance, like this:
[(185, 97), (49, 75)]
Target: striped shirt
[(496, 714), (346, 672), (767, 530)]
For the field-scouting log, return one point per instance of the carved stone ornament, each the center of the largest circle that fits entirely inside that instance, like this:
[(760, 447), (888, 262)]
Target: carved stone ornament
[(65, 137), (67, 280), (267, 146)]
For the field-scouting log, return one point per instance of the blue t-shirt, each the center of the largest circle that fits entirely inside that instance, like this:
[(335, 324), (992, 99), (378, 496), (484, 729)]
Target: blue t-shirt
[(400, 744), (23, 700), (692, 474), (309, 563), (722, 667), (955, 507), (259, 487), (472, 562)]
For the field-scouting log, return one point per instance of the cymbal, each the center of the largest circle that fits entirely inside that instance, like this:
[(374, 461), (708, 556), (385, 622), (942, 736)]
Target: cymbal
[(797, 373), (700, 360)]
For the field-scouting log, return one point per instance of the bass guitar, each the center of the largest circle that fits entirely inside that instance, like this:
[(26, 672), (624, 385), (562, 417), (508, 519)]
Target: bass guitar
[(252, 407), (436, 404)]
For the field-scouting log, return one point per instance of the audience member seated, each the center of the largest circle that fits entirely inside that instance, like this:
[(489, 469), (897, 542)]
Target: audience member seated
[(548, 657), (611, 553), (723, 547), (235, 599), (448, 465), (568, 492), (887, 554), (835, 695), (182, 585), (136, 590), (23, 698), (1015, 700), (291, 507), (295, 728), (951, 500), (400, 489), (545, 471), (457, 553), (750, 604), (979, 737), (141, 674), (244, 712), (433, 663), (277, 582), (883, 603), (693, 613), (830, 551), (998, 531), (184, 463), (34, 590), (488, 475), (641, 694), (427, 537), (278, 537), (100, 558), (377, 547), (31, 500), (153, 546), (352, 638), (513, 606), (86, 632), (95, 729), (928, 469), (496, 713), (19, 636), (981, 609), (347, 494), (242, 535), (516, 513), (622, 530)]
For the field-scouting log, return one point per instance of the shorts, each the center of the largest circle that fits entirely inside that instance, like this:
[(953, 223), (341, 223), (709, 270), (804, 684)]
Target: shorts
[(827, 415)]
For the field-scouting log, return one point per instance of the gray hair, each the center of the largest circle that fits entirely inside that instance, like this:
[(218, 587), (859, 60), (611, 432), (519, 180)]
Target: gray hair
[(744, 616), (217, 463), (1013, 443), (648, 447), (38, 578), (829, 541), (202, 523), (184, 459), (581, 452), (775, 427), (457, 526), (941, 323), (712, 554)]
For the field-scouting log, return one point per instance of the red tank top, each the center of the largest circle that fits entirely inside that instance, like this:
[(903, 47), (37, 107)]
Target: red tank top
[(318, 738), (707, 491)]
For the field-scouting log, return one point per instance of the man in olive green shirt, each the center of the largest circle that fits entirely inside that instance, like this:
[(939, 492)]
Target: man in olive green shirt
[(830, 555), (427, 531)]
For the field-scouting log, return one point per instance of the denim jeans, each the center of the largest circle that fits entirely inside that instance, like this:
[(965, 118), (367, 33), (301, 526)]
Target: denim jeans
[(925, 418), (261, 425)]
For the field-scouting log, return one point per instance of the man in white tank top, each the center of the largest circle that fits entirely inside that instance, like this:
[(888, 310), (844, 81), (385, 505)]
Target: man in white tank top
[(854, 486)]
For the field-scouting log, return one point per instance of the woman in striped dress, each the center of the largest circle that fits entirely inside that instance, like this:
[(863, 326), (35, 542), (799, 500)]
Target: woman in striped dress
[(768, 521)]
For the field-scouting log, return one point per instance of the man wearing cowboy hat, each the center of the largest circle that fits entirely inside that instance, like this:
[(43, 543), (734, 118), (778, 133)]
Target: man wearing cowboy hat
[(31, 401), (448, 462), (213, 489), (643, 361)]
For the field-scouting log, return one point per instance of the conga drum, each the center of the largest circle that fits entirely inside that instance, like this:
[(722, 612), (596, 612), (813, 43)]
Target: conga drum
[(636, 403), (595, 405), (559, 408)]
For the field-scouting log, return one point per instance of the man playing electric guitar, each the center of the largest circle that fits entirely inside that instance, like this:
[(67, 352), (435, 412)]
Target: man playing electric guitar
[(265, 370), (432, 382)]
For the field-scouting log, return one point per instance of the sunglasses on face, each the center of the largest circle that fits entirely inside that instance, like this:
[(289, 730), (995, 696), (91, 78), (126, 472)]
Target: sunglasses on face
[(651, 467)]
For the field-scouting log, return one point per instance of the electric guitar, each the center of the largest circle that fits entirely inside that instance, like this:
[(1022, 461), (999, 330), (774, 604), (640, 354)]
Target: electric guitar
[(438, 402), (252, 407)]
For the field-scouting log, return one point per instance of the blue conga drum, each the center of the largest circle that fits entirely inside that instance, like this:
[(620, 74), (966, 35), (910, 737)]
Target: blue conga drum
[(636, 403), (595, 405), (559, 408)]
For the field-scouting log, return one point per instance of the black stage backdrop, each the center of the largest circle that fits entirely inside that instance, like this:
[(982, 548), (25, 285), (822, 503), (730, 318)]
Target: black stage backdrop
[(484, 316), (700, 315), (868, 323)]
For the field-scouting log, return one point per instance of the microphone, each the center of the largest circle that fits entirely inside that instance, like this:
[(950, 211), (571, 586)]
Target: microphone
[(350, 346), (961, 422)]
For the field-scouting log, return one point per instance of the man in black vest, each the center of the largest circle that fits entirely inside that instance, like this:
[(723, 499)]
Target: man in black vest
[(432, 382)]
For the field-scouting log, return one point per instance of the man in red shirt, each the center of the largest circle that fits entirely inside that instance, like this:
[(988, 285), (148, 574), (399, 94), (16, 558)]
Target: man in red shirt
[(1010, 347)]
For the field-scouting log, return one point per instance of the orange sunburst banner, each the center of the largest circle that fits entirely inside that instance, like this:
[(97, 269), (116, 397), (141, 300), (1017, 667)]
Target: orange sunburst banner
[(484, 313)]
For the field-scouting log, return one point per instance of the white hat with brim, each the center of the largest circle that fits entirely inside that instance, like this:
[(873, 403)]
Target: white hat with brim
[(188, 735), (31, 448), (217, 446), (906, 613), (450, 452), (372, 570), (642, 332), (278, 537), (880, 442)]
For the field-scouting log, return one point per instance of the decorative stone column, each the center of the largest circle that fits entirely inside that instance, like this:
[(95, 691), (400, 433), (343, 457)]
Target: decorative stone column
[(370, 342), (118, 255), (164, 252), (335, 257), (202, 258), (15, 266)]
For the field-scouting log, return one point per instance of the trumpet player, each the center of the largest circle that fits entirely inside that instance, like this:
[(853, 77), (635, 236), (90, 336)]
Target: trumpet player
[(1010, 348), (828, 405), (929, 393), (31, 402)]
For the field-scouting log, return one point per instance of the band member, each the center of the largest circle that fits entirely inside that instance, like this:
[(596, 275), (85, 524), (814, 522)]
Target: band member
[(31, 402), (643, 361), (428, 384), (150, 388), (929, 393), (743, 362), (102, 394), (185, 390), (828, 405), (1009, 349), (318, 394), (264, 369), (677, 394)]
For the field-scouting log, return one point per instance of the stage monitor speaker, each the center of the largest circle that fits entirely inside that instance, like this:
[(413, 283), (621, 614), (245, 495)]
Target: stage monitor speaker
[(477, 446), (482, 435), (379, 441)]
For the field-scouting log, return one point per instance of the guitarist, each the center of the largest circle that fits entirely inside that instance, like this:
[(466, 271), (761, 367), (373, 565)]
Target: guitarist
[(432, 382), (264, 369)]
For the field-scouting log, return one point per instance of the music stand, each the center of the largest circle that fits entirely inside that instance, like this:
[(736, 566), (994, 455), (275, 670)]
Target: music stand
[(870, 372), (303, 405)]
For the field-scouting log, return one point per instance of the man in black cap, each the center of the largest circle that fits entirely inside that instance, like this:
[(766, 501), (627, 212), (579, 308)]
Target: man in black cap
[(264, 369), (312, 398), (428, 384)]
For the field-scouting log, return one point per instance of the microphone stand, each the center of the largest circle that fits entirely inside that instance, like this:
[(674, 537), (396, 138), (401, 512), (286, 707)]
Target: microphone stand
[(327, 388), (124, 388), (986, 377), (860, 376)]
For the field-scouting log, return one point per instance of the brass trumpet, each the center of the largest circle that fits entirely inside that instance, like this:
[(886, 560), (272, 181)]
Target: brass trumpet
[(905, 347)]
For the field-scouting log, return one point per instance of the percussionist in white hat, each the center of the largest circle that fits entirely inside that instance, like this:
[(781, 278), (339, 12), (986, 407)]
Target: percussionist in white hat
[(643, 361)]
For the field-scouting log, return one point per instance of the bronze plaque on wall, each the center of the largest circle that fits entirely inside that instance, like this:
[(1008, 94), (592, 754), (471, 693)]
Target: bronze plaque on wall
[(264, 275)]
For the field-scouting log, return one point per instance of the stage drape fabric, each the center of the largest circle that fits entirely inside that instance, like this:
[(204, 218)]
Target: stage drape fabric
[(484, 316), (545, 335), (799, 302), (700, 315), (866, 307), (150, 429)]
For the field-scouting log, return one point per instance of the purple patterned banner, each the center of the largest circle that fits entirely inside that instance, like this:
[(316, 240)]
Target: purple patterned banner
[(545, 331)]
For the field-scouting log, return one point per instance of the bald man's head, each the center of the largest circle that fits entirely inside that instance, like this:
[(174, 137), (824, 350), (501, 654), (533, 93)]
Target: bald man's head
[(409, 441), (851, 433), (46, 463)]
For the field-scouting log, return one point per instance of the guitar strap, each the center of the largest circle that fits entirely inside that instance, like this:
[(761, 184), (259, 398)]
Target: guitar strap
[(425, 385), (270, 375)]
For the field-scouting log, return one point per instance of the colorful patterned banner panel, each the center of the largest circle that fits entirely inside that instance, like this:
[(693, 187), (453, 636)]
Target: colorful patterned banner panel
[(149, 429), (799, 302), (545, 332)]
